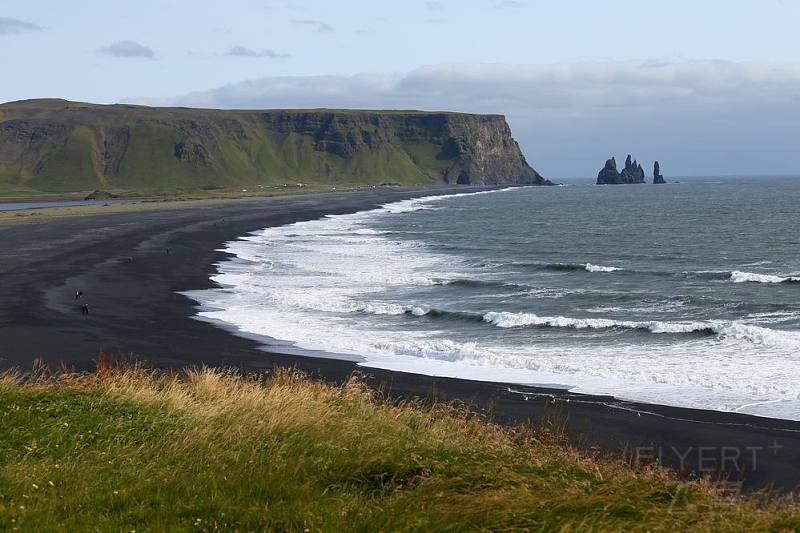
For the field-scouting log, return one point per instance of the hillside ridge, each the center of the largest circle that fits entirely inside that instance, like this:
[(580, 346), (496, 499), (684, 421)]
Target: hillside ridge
[(58, 145)]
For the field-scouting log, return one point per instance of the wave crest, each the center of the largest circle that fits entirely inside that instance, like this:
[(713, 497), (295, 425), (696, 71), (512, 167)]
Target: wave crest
[(518, 320), (600, 268), (738, 276), (588, 267), (723, 331), (732, 330)]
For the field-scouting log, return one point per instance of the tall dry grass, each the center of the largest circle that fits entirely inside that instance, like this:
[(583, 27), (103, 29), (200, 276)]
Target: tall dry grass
[(162, 451)]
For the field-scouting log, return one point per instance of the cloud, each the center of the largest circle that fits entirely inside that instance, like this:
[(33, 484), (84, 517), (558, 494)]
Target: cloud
[(241, 51), (569, 87), (696, 117), (10, 25), (127, 49), (318, 26), (434, 6)]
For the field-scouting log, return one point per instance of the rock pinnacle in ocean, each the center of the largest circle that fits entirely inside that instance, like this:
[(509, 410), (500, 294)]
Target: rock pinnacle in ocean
[(632, 173), (658, 178)]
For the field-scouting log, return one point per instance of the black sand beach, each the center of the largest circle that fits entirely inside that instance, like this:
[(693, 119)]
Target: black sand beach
[(131, 266)]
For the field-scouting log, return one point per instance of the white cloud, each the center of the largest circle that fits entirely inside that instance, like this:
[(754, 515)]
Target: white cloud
[(10, 25), (569, 88), (241, 51), (127, 49)]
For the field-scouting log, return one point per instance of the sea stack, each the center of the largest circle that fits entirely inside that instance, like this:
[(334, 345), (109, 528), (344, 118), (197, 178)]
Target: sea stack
[(609, 173), (657, 177), (632, 173)]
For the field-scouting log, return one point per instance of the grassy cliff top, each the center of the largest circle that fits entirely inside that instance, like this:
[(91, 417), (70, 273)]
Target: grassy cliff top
[(123, 450), (43, 106)]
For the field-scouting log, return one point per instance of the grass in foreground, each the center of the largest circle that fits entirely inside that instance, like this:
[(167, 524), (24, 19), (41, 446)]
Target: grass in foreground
[(211, 450)]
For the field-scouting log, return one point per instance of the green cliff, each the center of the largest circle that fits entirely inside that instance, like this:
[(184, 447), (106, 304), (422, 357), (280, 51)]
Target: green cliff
[(60, 146)]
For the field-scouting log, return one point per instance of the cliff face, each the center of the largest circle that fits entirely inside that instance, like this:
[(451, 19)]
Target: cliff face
[(54, 145), (632, 173)]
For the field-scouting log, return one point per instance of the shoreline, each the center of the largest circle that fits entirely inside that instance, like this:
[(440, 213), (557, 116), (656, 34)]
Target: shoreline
[(131, 266), (557, 390)]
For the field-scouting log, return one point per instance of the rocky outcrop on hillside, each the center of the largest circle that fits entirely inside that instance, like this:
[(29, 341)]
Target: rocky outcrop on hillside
[(632, 173), (100, 195), (55, 145)]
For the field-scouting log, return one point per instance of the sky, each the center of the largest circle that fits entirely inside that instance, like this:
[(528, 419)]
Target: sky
[(706, 87)]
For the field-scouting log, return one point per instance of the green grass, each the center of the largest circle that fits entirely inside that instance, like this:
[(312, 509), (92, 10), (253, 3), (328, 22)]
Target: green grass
[(149, 164), (128, 450), (149, 161), (71, 167)]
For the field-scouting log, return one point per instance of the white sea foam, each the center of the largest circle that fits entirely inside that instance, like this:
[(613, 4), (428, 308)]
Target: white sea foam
[(548, 292), (655, 307), (606, 309), (723, 329), (775, 317), (516, 320), (600, 268)]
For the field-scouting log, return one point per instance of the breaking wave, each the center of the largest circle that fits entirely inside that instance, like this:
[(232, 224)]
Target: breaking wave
[(736, 276), (480, 283), (520, 320), (588, 267), (720, 328), (599, 268), (745, 277)]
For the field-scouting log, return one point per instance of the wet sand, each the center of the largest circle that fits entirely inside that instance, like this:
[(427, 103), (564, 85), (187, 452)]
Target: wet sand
[(131, 265)]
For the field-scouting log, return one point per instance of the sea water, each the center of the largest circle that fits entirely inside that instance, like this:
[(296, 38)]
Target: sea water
[(685, 294)]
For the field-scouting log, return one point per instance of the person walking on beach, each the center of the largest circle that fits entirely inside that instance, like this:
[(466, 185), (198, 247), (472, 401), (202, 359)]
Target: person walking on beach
[(84, 309), (78, 294)]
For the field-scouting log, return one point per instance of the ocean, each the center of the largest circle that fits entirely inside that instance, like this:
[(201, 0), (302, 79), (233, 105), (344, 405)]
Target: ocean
[(686, 294)]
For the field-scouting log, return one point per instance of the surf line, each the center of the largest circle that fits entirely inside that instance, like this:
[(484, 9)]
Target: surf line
[(626, 406)]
